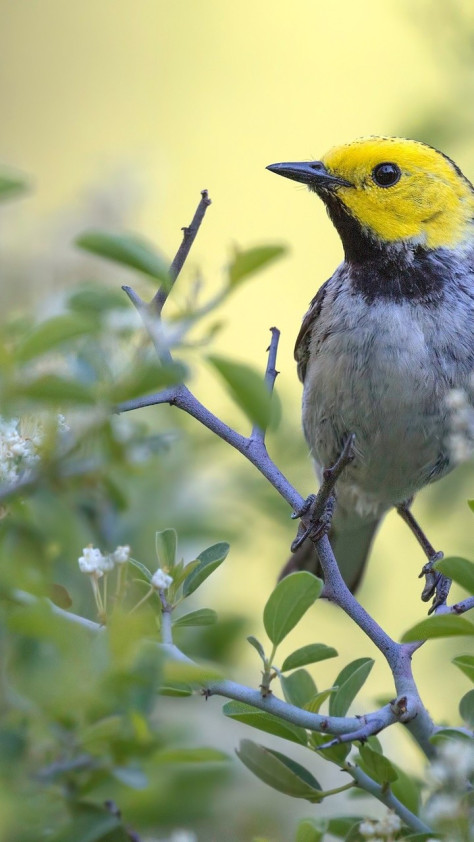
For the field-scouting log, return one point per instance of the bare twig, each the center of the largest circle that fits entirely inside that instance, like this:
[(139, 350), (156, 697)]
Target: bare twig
[(189, 235), (270, 376)]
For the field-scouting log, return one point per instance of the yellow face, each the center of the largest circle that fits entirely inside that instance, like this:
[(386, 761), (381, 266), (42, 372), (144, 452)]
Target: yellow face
[(418, 194)]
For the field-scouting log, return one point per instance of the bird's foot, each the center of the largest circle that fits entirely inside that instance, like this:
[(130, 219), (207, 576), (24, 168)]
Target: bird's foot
[(436, 585), (318, 525)]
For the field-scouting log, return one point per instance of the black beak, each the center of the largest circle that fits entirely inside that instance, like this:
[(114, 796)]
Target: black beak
[(312, 173)]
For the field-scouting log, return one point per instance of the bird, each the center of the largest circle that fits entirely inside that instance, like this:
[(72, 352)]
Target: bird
[(386, 349)]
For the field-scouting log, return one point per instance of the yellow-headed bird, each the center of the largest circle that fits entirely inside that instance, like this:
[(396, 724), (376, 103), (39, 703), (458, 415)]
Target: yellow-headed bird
[(386, 349)]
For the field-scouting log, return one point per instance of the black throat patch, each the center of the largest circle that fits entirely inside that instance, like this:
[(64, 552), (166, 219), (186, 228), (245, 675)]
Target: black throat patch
[(392, 271)]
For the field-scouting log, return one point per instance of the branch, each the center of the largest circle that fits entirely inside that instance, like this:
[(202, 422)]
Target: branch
[(387, 797), (189, 235), (270, 376)]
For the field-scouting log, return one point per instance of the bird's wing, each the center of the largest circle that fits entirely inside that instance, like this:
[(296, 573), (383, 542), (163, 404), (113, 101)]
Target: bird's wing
[(304, 336)]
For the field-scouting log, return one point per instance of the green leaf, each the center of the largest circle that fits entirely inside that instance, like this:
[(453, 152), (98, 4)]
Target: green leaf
[(279, 771), (288, 602), (247, 262), (315, 703), (184, 672), (209, 560), (257, 645), (50, 388), (470, 503), (459, 569), (247, 388), (336, 754), (11, 187), (309, 654), (298, 688), (341, 826), (51, 333), (349, 682), (128, 250), (201, 617), (165, 545), (466, 664), (407, 789), (147, 574), (450, 734), (265, 722), (60, 596), (147, 377), (466, 708), (311, 830), (377, 766), (442, 625)]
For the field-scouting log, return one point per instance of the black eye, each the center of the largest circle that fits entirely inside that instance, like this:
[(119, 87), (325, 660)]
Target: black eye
[(386, 175)]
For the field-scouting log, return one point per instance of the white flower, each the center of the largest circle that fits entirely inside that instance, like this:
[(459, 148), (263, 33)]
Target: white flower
[(367, 829), (121, 554), (454, 764), (388, 825), (160, 580), (92, 561)]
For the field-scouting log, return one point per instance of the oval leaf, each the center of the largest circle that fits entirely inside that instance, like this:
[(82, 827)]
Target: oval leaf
[(279, 771), (309, 654), (251, 260), (257, 645), (310, 830), (349, 682), (247, 388), (201, 617), (443, 625), (265, 722), (288, 602), (209, 560), (466, 664), (377, 766), (128, 250), (460, 570), (298, 688), (165, 545), (147, 377), (52, 333), (466, 708), (54, 389)]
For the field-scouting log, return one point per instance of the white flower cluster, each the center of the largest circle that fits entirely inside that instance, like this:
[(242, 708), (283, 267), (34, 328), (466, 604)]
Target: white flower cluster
[(461, 423), (161, 580), (20, 443), (384, 829), (449, 774), (18, 452), (94, 563)]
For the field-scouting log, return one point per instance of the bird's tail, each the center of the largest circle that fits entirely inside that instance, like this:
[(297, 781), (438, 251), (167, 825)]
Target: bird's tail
[(351, 539)]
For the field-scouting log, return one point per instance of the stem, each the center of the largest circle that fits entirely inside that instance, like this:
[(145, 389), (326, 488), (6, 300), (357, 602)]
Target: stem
[(270, 377), (189, 235), (386, 797)]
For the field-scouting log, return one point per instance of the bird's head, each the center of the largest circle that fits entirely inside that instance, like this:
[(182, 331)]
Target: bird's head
[(382, 191)]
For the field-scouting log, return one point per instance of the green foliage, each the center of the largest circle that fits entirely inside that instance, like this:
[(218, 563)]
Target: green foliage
[(127, 250), (289, 601), (349, 681)]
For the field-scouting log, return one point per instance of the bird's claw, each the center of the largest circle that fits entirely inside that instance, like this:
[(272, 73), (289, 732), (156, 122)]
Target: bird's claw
[(316, 529), (436, 585)]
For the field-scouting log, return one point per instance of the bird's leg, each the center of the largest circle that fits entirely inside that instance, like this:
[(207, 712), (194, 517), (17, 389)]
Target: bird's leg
[(319, 524), (318, 509), (436, 584)]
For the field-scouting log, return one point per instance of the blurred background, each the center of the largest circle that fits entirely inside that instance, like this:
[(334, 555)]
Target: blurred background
[(119, 113)]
